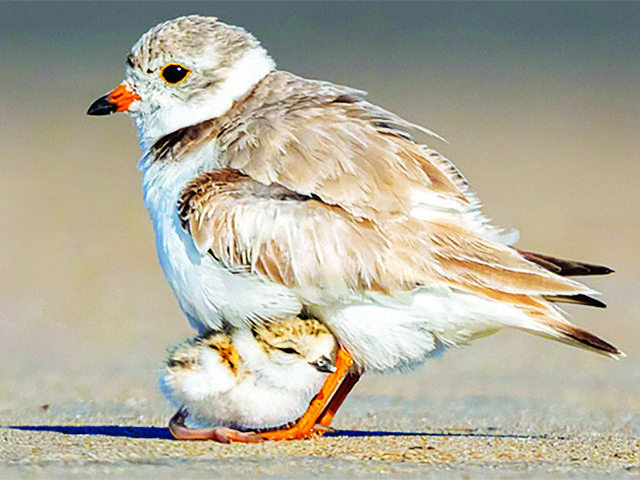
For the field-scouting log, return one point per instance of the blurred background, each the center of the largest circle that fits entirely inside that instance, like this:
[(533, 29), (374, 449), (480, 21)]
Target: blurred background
[(540, 103)]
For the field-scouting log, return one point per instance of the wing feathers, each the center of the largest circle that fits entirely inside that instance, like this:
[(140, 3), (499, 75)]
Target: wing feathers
[(467, 258), (349, 153), (288, 238), (567, 268), (301, 242)]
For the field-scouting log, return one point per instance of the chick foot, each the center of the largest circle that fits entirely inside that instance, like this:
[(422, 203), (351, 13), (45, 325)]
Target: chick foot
[(218, 434)]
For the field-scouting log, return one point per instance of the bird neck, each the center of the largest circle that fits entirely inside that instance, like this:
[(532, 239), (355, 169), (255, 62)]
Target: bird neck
[(240, 79)]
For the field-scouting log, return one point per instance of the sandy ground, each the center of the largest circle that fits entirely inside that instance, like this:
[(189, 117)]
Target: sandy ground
[(502, 438), (540, 105)]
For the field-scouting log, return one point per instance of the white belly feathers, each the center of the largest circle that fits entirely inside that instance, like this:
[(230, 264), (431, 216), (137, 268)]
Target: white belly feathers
[(208, 293)]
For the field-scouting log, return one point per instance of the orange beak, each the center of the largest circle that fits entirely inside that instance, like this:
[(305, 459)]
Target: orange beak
[(118, 100)]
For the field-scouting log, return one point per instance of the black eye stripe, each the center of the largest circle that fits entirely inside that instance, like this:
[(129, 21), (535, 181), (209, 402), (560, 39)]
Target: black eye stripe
[(174, 73), (289, 350)]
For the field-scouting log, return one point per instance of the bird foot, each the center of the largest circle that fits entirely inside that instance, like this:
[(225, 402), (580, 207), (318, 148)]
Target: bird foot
[(296, 433), (218, 434)]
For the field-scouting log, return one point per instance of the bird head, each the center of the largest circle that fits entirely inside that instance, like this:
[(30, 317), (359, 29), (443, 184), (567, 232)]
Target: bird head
[(185, 71)]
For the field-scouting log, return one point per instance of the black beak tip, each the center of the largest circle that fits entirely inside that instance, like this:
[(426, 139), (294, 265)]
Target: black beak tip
[(102, 106), (324, 365)]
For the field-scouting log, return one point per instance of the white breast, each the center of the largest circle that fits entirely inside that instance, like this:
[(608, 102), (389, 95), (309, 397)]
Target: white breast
[(207, 292)]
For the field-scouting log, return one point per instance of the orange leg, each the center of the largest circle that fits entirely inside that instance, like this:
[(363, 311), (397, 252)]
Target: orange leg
[(338, 398), (304, 428), (219, 434)]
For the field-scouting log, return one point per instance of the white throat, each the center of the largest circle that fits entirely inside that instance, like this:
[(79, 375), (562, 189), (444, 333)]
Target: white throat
[(175, 114)]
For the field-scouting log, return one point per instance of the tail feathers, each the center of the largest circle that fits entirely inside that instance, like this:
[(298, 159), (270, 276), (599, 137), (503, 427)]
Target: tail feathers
[(565, 268), (565, 332), (581, 338), (579, 299), (568, 268)]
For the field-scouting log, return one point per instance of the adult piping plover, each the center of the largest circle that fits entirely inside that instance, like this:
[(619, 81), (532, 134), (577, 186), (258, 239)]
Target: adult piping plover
[(247, 380), (272, 194)]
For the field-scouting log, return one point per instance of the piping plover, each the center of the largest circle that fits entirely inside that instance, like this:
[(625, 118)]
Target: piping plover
[(248, 380), (272, 194)]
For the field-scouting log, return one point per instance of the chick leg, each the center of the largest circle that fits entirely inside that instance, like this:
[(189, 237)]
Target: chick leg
[(304, 428), (218, 434)]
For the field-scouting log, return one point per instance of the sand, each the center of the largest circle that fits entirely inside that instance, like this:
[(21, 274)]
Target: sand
[(526, 443)]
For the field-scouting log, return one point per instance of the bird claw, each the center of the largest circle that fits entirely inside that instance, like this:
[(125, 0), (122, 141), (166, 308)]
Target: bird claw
[(319, 430), (179, 418)]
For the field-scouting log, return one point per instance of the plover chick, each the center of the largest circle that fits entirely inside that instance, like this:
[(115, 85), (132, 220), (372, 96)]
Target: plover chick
[(248, 380)]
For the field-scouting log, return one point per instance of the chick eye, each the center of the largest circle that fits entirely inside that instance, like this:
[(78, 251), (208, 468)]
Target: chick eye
[(174, 73), (290, 350)]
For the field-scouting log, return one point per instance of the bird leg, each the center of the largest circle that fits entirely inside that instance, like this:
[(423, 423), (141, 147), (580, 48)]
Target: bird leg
[(338, 398), (218, 434), (304, 428)]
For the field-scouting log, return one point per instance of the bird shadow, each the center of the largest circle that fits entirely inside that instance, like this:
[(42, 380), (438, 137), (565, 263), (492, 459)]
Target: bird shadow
[(162, 433), (127, 431)]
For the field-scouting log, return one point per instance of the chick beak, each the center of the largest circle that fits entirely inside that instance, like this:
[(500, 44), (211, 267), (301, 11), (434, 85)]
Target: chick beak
[(118, 100), (324, 365)]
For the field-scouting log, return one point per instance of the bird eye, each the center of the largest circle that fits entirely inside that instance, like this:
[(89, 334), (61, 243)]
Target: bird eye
[(174, 73), (290, 350)]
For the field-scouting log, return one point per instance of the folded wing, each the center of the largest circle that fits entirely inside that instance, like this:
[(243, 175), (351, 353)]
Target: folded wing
[(329, 255)]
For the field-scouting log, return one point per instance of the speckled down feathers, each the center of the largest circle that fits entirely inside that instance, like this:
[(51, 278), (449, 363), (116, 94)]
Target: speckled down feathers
[(256, 380)]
